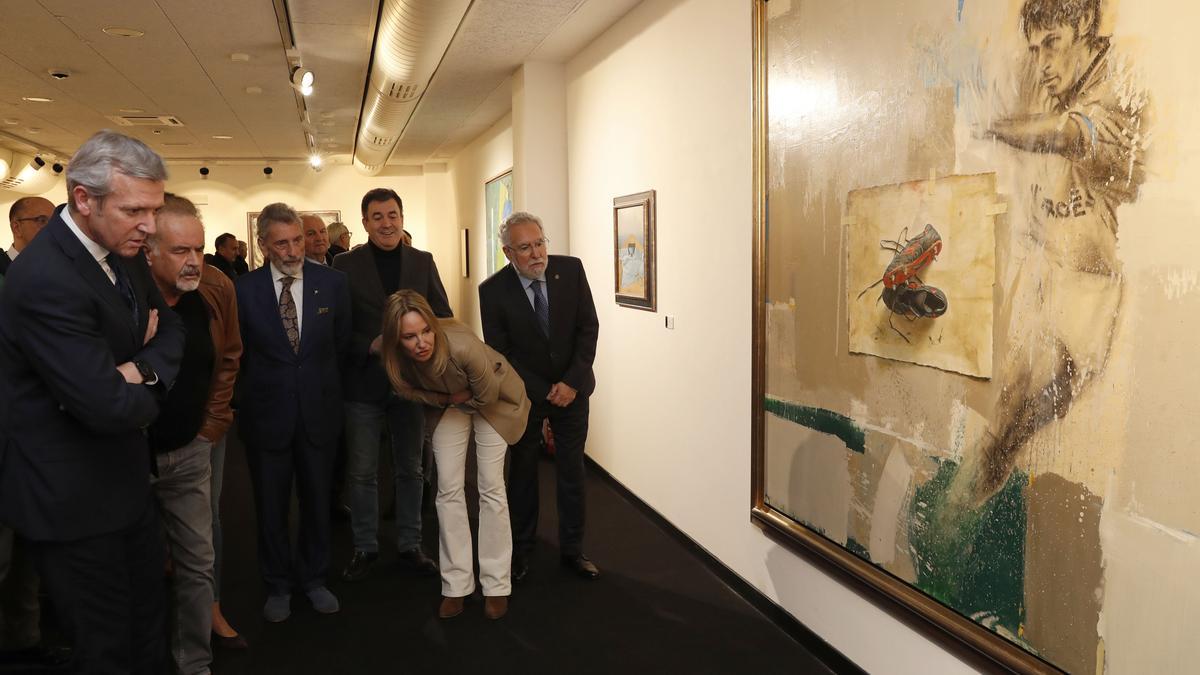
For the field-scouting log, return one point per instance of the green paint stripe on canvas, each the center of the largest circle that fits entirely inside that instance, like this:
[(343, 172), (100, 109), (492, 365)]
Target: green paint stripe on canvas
[(819, 419)]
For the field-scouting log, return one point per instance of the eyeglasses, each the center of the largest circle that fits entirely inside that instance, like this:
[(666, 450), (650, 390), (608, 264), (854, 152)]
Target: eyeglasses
[(525, 249), (40, 220)]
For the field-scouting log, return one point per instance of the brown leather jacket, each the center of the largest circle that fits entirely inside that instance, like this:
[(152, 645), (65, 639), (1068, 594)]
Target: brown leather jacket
[(217, 291)]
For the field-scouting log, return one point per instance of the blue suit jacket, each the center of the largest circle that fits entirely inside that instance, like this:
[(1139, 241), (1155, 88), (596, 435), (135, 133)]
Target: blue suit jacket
[(74, 461), (283, 393)]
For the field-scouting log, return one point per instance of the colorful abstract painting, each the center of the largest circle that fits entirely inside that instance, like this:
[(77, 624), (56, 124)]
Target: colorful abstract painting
[(979, 301), (498, 205)]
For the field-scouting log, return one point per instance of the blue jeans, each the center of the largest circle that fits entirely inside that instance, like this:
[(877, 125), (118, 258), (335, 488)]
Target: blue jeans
[(404, 422)]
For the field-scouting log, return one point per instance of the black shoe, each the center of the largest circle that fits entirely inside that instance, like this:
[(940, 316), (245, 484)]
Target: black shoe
[(36, 659), (520, 568), (415, 560), (340, 512), (229, 642), (582, 566), (360, 566)]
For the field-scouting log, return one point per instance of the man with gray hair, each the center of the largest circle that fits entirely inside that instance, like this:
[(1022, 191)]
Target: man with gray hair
[(295, 320), (193, 420), (552, 347), (88, 348)]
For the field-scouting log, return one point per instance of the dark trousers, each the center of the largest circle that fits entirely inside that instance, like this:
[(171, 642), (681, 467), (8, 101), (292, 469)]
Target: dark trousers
[(109, 596), (570, 425), (272, 471), (20, 610)]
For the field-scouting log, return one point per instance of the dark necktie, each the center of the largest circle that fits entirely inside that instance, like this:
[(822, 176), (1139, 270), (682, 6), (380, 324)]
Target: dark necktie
[(287, 312), (123, 286), (541, 307)]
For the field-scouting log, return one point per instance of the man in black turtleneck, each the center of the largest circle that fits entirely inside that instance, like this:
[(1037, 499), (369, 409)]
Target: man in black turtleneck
[(375, 271)]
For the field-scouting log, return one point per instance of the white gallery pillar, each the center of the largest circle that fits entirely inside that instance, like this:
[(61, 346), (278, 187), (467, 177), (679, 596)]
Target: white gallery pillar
[(539, 122)]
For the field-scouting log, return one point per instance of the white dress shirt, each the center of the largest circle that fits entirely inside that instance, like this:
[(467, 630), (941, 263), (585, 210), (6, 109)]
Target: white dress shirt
[(297, 293), (98, 252), (12, 253)]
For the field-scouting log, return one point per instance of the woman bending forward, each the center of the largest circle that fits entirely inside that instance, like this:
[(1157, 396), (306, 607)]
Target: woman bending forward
[(464, 384)]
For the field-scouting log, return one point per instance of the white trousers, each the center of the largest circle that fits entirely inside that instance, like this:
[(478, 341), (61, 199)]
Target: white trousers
[(450, 441)]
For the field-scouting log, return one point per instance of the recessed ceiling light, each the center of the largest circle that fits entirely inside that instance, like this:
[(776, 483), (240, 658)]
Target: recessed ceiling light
[(33, 130), (11, 122), (132, 110), (238, 57), (253, 90), (122, 31), (327, 115), (37, 99), (222, 137)]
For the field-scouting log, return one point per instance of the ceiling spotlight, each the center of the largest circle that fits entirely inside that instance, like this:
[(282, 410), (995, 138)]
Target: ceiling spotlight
[(56, 167), (59, 73), (204, 172), (302, 77), (306, 91), (267, 171), (315, 161), (122, 31)]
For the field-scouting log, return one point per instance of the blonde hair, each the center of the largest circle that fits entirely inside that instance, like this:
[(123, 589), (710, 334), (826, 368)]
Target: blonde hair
[(396, 361)]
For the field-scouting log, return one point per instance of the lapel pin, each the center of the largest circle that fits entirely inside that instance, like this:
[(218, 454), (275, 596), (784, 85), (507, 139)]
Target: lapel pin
[(555, 276)]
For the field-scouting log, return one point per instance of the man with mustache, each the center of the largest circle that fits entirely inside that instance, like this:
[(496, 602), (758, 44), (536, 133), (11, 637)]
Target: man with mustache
[(295, 321), (194, 416)]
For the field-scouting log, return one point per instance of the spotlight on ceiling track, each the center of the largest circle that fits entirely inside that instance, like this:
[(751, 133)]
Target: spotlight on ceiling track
[(204, 172), (302, 79), (316, 162), (267, 171)]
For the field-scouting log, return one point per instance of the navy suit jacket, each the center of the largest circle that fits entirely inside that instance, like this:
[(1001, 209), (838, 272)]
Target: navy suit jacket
[(511, 328), (364, 378), (74, 461), (283, 393)]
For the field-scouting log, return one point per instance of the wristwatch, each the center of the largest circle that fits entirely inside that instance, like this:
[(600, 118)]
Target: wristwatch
[(147, 373)]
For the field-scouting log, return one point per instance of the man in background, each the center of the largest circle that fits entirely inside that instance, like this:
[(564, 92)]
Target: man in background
[(316, 240), (239, 263), (20, 609), (223, 259)]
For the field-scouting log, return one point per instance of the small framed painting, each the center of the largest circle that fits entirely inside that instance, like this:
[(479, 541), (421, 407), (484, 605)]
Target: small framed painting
[(634, 251)]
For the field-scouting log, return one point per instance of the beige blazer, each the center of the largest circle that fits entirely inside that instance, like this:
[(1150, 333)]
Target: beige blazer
[(499, 392)]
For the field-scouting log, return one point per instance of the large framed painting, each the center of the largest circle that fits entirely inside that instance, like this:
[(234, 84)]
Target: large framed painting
[(497, 205), (976, 301), (254, 255), (635, 251)]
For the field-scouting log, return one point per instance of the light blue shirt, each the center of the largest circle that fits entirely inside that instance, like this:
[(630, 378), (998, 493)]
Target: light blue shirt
[(528, 284)]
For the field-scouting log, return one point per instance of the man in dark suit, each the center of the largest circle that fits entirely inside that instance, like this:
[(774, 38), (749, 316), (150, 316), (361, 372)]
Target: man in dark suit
[(538, 312), (295, 321), (87, 348), (20, 609), (377, 270), (26, 217), (226, 256)]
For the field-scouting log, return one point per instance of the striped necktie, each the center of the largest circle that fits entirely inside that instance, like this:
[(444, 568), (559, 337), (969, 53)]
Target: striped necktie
[(541, 307)]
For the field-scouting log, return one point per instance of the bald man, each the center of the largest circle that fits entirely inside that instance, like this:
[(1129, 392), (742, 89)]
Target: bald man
[(316, 240), (27, 217)]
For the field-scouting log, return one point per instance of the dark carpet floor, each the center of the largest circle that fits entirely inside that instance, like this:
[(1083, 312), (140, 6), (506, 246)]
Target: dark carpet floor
[(656, 609)]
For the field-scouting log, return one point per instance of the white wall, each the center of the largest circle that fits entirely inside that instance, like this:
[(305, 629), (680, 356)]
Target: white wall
[(486, 157), (663, 101)]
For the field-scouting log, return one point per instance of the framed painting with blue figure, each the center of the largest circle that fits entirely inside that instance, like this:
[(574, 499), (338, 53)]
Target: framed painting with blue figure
[(634, 251), (498, 205)]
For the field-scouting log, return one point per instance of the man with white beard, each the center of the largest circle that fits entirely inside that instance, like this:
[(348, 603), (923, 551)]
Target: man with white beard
[(194, 416)]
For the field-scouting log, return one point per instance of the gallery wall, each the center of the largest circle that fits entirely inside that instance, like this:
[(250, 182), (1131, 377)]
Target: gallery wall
[(662, 101), (486, 157)]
